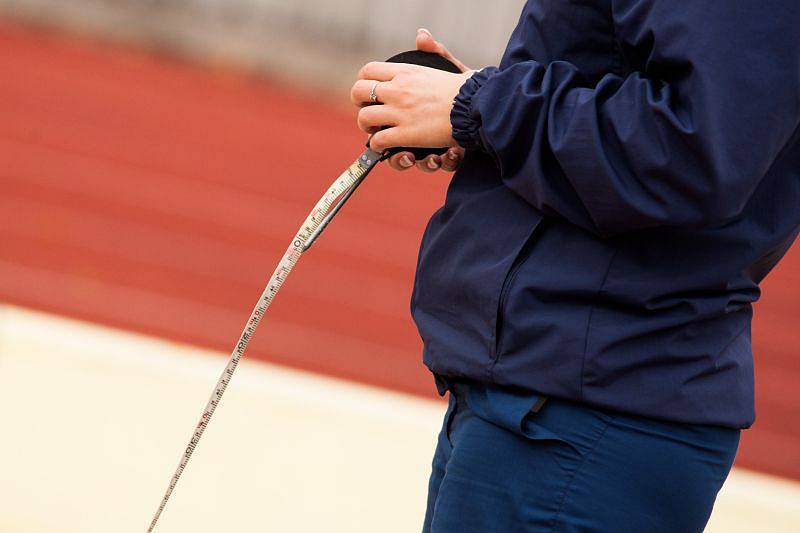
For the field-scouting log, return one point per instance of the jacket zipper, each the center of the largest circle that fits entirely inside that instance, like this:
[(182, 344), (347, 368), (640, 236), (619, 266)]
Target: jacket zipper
[(524, 254)]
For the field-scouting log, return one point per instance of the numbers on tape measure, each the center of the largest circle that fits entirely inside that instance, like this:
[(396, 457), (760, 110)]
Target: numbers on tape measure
[(316, 219)]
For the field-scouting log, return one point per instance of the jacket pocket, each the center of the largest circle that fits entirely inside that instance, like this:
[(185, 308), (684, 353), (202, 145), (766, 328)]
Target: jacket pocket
[(470, 246), (519, 261)]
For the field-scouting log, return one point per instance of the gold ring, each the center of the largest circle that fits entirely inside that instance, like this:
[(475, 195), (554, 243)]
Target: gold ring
[(372, 95)]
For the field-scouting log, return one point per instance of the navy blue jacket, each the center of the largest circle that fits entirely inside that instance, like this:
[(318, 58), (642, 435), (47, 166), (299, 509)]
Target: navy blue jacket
[(632, 174)]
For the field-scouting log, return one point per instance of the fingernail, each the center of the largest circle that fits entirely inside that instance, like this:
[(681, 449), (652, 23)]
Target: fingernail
[(451, 155), (433, 164), (406, 162), (423, 30)]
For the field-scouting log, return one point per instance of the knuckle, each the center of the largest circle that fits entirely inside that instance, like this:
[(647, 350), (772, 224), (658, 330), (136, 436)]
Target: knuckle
[(400, 89), (401, 94)]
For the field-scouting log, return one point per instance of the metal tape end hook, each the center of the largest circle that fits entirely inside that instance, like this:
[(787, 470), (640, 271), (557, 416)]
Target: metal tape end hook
[(366, 162)]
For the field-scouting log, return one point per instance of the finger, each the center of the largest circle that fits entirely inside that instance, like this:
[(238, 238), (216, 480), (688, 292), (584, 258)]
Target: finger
[(432, 163), (361, 93), (374, 117), (427, 43), (402, 161), (382, 71), (451, 160), (388, 138)]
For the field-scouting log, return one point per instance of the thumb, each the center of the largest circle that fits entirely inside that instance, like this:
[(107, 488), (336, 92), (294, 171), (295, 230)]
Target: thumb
[(426, 42)]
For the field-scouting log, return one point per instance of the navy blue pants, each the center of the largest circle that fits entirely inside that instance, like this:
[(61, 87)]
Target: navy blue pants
[(509, 462)]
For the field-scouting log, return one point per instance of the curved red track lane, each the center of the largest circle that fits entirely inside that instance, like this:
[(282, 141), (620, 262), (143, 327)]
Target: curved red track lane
[(157, 197)]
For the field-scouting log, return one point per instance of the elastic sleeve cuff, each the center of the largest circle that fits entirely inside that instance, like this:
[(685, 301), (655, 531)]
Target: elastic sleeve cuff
[(464, 117)]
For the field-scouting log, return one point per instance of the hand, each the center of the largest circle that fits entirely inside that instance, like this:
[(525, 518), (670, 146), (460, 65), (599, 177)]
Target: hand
[(408, 95)]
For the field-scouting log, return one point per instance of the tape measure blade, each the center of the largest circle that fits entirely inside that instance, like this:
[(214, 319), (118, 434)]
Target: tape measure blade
[(322, 214)]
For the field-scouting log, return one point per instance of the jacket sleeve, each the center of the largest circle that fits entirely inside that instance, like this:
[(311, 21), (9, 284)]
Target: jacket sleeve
[(682, 142)]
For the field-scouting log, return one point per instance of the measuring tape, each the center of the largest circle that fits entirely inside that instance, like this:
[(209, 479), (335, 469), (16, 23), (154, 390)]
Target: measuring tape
[(314, 225)]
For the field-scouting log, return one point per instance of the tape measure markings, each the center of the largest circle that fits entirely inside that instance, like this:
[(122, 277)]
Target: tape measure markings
[(320, 216)]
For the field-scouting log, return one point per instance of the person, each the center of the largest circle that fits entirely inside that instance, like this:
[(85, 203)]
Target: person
[(625, 179)]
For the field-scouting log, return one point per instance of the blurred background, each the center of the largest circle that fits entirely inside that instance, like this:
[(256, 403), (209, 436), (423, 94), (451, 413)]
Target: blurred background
[(156, 156)]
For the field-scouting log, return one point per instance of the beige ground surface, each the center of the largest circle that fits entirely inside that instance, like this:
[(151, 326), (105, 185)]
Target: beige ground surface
[(94, 420)]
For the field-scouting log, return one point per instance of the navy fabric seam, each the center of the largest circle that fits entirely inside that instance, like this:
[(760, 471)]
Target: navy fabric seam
[(746, 327), (616, 49), (592, 307), (574, 475)]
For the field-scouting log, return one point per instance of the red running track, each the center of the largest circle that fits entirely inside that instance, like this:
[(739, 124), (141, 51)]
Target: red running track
[(157, 196)]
